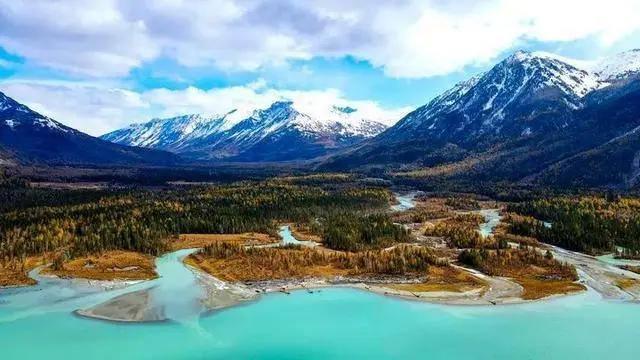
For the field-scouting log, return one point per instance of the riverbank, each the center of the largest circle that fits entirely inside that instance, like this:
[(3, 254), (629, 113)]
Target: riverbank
[(204, 288), (340, 323), (215, 294), (608, 280), (462, 287)]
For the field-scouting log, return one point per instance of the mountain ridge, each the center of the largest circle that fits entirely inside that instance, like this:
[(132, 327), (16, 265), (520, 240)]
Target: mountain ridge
[(245, 134), (29, 137), (526, 101)]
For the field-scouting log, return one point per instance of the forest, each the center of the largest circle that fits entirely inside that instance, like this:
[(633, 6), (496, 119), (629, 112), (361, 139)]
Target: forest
[(72, 223), (589, 224), (235, 262)]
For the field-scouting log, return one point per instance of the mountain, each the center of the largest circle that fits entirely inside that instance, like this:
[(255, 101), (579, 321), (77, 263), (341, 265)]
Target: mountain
[(619, 66), (532, 118), (280, 132), (524, 93), (29, 137)]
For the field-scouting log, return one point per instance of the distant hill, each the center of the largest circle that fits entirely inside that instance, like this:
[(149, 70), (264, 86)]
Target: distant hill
[(281, 132), (28, 137)]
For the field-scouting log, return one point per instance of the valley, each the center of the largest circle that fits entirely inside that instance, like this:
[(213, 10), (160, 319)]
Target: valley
[(515, 187), (280, 180), (460, 249), (379, 265)]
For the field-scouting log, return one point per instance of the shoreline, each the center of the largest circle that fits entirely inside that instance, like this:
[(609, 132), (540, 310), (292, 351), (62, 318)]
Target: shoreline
[(442, 298), (220, 295), (472, 297), (137, 306)]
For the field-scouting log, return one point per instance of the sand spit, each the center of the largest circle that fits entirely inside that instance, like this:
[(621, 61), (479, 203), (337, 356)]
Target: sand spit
[(135, 306), (499, 291), (141, 306), (603, 278), (138, 306)]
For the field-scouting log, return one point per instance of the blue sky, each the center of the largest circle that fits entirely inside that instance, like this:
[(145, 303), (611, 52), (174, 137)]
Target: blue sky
[(103, 64)]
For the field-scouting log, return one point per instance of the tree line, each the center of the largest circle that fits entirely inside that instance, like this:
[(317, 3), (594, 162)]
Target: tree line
[(588, 224), (79, 222)]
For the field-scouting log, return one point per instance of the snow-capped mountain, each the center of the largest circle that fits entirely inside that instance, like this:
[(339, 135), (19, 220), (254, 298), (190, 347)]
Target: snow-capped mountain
[(30, 137), (525, 93), (619, 66), (16, 115), (283, 131), (527, 113)]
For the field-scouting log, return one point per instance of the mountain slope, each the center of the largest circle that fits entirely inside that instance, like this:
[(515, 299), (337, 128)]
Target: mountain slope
[(610, 125), (523, 95), (280, 132), (33, 138), (619, 66), (531, 118)]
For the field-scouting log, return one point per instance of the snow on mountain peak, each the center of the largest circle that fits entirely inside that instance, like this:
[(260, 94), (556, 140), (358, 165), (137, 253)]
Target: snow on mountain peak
[(619, 66), (553, 70), (24, 116), (241, 127), (489, 101)]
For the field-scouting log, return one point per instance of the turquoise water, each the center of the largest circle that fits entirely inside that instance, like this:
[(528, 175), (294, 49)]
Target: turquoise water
[(289, 239), (342, 323), (491, 220), (611, 260), (405, 202), (177, 290), (37, 322)]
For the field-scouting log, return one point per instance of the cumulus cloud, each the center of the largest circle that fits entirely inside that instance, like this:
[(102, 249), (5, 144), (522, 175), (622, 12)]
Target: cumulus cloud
[(97, 108), (90, 108), (407, 38)]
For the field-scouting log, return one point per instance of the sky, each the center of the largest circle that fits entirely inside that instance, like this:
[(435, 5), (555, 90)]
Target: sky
[(103, 64)]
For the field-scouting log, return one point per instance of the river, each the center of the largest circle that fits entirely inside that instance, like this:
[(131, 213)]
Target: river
[(340, 324), (38, 322), (405, 201), (491, 220)]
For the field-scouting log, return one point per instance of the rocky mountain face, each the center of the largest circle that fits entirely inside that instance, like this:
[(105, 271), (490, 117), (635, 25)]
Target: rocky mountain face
[(29, 137), (523, 94), (531, 115), (280, 132)]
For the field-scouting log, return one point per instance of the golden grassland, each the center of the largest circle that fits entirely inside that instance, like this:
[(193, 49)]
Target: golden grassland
[(444, 278), (233, 262), (537, 289), (325, 177), (539, 275), (109, 265), (258, 268), (522, 240), (191, 241), (626, 283), (427, 208), (441, 170), (635, 269), (15, 274), (118, 265)]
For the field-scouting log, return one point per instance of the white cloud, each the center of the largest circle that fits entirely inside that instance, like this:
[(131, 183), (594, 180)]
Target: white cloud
[(407, 38), (257, 96), (98, 108), (90, 108)]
